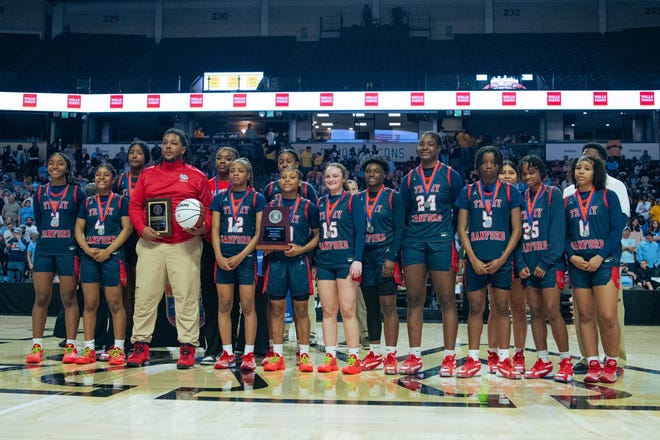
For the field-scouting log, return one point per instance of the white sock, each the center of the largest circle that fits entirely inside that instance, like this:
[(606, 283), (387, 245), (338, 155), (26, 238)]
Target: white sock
[(607, 358), (304, 348), (390, 349), (450, 352), (39, 341), (229, 349), (71, 341), (543, 355), (564, 355), (89, 344), (375, 348), (492, 350), (592, 358), (248, 349), (278, 349), (473, 354), (518, 350), (417, 351), (354, 351), (331, 349), (503, 354), (119, 343)]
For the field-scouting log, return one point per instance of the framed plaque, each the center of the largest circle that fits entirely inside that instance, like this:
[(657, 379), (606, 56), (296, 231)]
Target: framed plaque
[(275, 232), (159, 216)]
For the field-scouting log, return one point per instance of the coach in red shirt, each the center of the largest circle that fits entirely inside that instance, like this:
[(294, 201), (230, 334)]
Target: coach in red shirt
[(174, 259)]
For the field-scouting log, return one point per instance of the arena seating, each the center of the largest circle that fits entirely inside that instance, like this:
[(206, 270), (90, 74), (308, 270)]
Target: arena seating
[(379, 58)]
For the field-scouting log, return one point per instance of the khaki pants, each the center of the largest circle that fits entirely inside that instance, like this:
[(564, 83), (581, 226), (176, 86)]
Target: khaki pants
[(158, 264)]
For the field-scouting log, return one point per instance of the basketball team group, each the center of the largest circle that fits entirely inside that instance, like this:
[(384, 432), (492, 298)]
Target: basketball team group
[(516, 236)]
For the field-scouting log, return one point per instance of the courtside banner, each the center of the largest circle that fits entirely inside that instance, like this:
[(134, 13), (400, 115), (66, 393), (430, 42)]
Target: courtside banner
[(430, 101)]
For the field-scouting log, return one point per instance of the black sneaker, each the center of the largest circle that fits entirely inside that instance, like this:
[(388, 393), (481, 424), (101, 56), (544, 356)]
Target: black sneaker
[(580, 367)]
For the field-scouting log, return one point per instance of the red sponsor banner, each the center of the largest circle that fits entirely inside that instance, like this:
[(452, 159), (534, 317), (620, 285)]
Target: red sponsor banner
[(327, 99), (29, 99), (240, 99), (73, 101), (646, 98), (600, 98), (153, 101), (462, 98), (508, 98), (196, 100), (553, 98), (281, 99), (371, 99), (116, 101), (416, 98)]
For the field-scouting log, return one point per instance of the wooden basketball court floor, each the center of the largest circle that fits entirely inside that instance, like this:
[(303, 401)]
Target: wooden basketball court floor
[(159, 401)]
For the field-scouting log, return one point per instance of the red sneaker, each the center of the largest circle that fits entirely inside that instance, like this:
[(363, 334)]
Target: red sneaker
[(186, 357), (565, 373), (493, 360), (609, 372), (275, 363), (391, 364), (140, 355), (519, 362), (372, 361), (225, 361), (506, 370), (539, 369), (36, 355), (70, 354), (329, 364), (448, 367), (305, 365), (117, 356), (247, 362), (88, 356), (594, 372), (470, 368), (354, 365), (298, 357), (269, 354), (411, 365)]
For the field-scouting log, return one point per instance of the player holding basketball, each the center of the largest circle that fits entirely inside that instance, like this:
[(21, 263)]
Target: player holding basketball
[(235, 233), (102, 228), (291, 271), (541, 266), (339, 266), (385, 228), (489, 228), (428, 193), (55, 214), (173, 259), (593, 249)]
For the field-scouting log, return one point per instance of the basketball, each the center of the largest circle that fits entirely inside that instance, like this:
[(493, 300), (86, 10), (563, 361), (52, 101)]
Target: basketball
[(190, 213)]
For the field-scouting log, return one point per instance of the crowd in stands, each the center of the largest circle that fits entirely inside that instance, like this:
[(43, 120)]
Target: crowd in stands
[(22, 172)]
